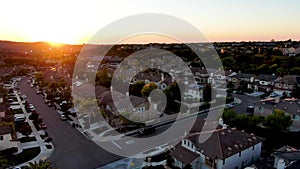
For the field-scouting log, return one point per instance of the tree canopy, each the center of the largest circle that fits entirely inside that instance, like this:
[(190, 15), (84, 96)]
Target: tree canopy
[(148, 88), (278, 121)]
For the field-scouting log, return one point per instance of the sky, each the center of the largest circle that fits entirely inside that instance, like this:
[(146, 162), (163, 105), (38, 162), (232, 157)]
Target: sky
[(75, 22)]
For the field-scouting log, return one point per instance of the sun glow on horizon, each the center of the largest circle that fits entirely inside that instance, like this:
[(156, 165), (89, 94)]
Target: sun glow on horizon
[(75, 22)]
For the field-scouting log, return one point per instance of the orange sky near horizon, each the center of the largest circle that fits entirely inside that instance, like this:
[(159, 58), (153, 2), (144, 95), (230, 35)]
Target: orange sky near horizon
[(76, 22)]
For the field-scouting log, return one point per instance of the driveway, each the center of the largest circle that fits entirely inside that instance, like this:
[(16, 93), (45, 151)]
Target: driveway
[(246, 101)]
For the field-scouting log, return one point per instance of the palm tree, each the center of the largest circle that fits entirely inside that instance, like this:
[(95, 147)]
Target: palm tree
[(41, 164)]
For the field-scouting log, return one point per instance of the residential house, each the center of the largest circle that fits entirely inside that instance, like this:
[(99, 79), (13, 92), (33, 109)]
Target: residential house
[(225, 148), (286, 157), (291, 51), (265, 82), (135, 106), (286, 84), (6, 140), (290, 106), (194, 91), (223, 77), (162, 80), (242, 80), (201, 75)]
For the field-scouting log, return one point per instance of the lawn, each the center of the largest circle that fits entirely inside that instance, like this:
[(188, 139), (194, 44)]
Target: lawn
[(17, 111), (25, 155), (27, 139), (14, 98)]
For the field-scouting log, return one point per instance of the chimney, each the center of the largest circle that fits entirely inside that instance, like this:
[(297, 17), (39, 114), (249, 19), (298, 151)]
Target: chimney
[(221, 122), (280, 164)]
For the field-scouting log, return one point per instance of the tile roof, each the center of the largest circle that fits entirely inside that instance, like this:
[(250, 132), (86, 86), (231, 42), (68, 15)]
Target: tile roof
[(4, 130), (243, 75), (222, 143), (266, 77), (184, 155), (291, 106), (290, 79)]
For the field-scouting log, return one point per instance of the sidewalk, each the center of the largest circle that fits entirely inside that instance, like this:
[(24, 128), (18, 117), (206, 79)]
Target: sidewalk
[(45, 152)]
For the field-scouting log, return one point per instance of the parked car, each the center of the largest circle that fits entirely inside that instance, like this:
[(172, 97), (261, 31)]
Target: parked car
[(43, 126), (24, 96), (31, 107), (273, 95), (61, 115), (228, 106), (19, 117)]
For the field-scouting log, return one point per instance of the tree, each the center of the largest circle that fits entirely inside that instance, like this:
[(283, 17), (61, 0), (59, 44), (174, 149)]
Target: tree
[(147, 89), (296, 92), (25, 130), (228, 115), (208, 93), (136, 89), (103, 79), (278, 121), (40, 77), (169, 160), (41, 164), (173, 94), (3, 92)]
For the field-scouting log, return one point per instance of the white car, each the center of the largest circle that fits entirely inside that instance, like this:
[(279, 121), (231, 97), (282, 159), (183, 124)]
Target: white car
[(273, 95), (19, 117), (24, 96), (31, 107)]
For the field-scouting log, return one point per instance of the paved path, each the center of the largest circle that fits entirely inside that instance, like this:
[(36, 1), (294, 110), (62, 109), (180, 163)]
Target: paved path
[(45, 152)]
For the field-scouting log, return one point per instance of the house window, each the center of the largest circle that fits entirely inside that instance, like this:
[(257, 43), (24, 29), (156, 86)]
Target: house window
[(141, 109), (188, 143), (252, 159), (1, 137), (163, 86), (240, 153), (252, 147), (209, 161), (184, 142), (224, 162)]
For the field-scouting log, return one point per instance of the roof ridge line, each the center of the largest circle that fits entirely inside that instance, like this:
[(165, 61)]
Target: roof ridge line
[(220, 147)]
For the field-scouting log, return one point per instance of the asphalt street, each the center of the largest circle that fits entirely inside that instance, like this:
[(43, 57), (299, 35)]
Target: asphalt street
[(246, 101), (72, 149)]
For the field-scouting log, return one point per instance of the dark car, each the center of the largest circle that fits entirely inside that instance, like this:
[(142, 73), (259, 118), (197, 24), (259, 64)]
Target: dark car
[(49, 139), (147, 130)]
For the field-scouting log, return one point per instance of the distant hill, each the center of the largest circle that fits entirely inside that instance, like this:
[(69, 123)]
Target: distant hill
[(9, 48)]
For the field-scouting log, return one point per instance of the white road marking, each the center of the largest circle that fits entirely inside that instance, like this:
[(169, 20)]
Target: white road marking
[(116, 144)]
